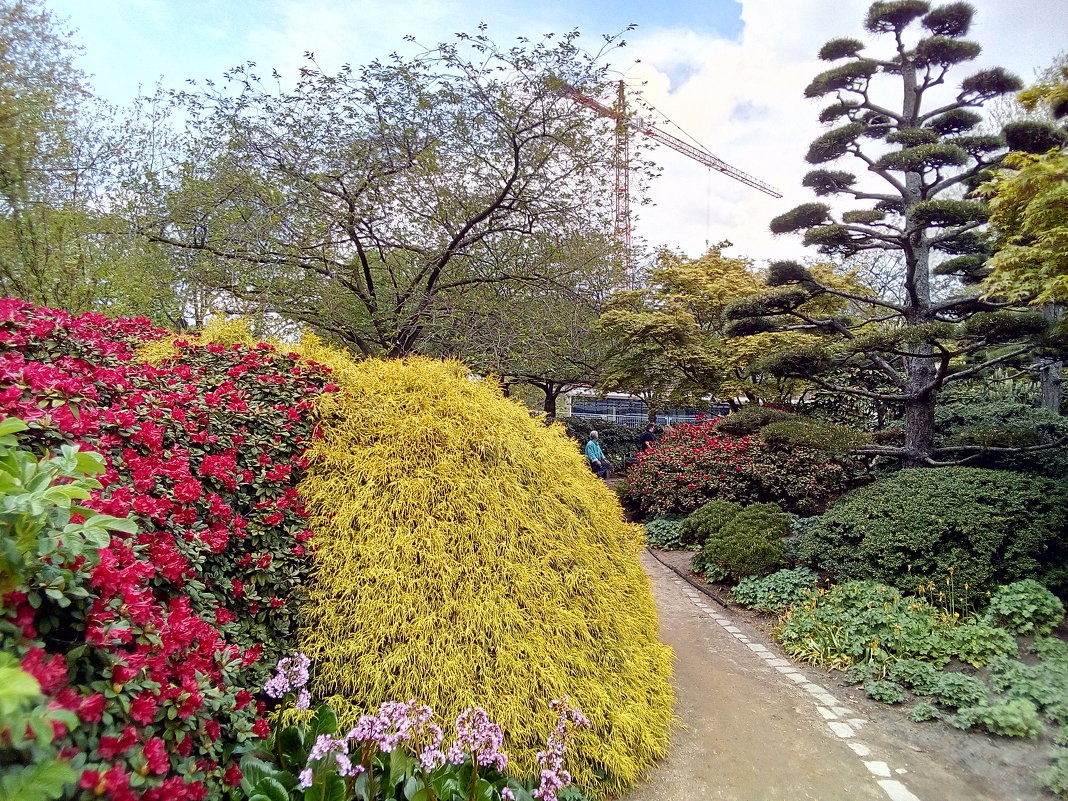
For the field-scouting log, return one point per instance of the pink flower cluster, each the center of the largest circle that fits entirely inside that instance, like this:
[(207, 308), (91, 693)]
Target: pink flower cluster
[(553, 777)]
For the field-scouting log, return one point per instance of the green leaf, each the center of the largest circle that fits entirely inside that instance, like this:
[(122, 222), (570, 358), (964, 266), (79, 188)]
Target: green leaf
[(484, 791), (324, 722), (253, 770), (334, 789), (89, 463), (16, 687), (12, 425), (400, 766), (42, 782), (271, 789)]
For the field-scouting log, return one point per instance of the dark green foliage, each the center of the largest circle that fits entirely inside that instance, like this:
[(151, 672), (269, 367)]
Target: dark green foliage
[(885, 692), (922, 157), (1034, 136), (773, 301), (775, 592), (920, 676), (957, 690), (944, 51), (840, 48), (978, 643), (955, 121), (924, 711), (944, 213), (834, 143), (991, 83), (830, 239), (852, 73), (617, 440), (863, 216), (752, 325), (892, 205), (894, 15), (805, 361), (1005, 326), (786, 272), (1045, 683), (1006, 424), (665, 532), (816, 434), (1025, 607), (804, 216), (952, 19), (1016, 717), (967, 243), (842, 108), (922, 526), (970, 267), (749, 419), (751, 542), (910, 137), (1056, 778), (707, 521), (978, 144), (828, 182)]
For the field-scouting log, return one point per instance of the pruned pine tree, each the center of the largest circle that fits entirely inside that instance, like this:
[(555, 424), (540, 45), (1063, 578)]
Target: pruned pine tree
[(921, 151)]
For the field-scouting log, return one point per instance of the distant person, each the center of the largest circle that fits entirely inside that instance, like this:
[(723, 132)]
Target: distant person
[(598, 463), (648, 438)]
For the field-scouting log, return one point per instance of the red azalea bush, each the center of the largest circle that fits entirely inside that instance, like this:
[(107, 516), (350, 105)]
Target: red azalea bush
[(160, 647), (694, 463)]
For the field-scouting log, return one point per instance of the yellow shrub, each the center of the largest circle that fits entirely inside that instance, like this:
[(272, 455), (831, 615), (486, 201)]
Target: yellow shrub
[(468, 556)]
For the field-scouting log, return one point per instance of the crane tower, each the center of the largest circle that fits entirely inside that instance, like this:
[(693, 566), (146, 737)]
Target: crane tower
[(626, 124)]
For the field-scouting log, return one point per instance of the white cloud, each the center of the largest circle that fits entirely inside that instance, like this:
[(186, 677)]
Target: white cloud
[(743, 100)]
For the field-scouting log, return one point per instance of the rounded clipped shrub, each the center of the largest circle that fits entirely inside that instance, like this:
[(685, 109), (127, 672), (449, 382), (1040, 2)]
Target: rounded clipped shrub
[(466, 556), (696, 463), (749, 419), (959, 530), (750, 543), (707, 521)]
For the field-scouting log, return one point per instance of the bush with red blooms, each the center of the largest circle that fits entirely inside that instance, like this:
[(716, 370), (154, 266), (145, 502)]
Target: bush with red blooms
[(695, 463), (161, 644)]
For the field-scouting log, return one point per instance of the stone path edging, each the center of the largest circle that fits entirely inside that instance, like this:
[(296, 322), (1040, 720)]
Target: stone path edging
[(838, 718)]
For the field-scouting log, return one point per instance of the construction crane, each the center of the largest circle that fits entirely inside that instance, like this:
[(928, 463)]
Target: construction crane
[(624, 125)]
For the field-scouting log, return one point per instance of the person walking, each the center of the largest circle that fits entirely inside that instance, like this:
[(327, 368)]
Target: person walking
[(598, 463)]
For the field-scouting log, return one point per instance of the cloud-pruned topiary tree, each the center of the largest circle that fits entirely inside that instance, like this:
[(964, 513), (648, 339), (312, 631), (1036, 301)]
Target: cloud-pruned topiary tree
[(923, 154)]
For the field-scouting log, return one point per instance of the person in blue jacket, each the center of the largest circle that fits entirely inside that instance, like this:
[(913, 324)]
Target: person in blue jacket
[(598, 463)]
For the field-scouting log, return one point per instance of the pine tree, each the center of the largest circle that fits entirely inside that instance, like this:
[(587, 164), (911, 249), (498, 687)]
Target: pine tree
[(923, 155)]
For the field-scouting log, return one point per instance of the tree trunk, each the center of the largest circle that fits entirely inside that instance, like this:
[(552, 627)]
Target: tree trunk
[(919, 430), (1051, 374), (552, 392)]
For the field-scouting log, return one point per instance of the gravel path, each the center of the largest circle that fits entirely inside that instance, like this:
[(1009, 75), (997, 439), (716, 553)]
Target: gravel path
[(755, 727)]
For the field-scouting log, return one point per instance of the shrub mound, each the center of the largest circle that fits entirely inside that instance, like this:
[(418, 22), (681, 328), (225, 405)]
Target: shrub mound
[(1006, 424), (159, 641), (921, 527), (696, 462), (750, 543), (467, 556)]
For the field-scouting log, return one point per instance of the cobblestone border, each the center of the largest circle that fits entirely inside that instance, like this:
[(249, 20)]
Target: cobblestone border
[(843, 722)]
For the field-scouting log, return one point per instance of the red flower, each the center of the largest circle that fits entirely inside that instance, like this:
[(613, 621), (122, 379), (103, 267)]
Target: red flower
[(156, 756), (212, 729), (143, 708), (237, 588), (273, 519), (49, 672), (92, 708), (242, 699), (232, 776), (261, 728), (224, 616)]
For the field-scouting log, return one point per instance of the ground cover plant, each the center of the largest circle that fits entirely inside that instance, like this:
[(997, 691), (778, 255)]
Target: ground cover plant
[(695, 463), (665, 532), (776, 592), (153, 632)]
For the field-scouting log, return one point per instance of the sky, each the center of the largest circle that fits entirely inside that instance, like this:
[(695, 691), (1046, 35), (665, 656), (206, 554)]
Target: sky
[(729, 73)]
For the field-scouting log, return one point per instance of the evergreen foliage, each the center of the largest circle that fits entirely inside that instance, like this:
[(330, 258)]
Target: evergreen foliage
[(467, 556), (958, 530)]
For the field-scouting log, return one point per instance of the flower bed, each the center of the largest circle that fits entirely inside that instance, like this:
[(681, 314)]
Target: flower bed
[(160, 645)]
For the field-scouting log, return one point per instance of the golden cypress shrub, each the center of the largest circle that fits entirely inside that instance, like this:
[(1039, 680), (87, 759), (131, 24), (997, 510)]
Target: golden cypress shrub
[(466, 555)]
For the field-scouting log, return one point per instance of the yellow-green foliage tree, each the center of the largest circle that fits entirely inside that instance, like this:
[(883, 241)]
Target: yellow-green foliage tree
[(467, 556)]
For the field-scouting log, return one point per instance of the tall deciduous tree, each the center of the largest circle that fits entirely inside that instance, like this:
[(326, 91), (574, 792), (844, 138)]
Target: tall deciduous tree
[(368, 203), (1029, 215), (920, 154)]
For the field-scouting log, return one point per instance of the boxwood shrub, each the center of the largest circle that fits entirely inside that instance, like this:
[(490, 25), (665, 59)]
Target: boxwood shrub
[(964, 530)]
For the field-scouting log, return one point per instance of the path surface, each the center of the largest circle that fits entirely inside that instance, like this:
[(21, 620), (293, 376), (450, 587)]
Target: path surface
[(755, 727)]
